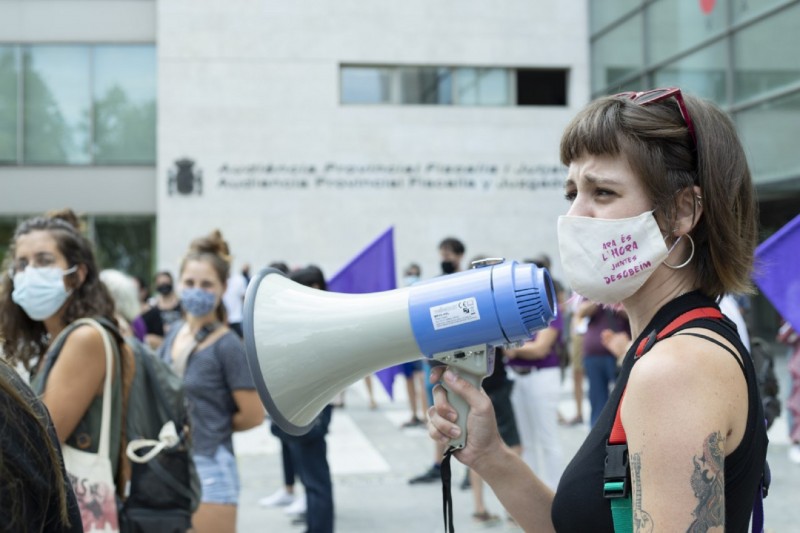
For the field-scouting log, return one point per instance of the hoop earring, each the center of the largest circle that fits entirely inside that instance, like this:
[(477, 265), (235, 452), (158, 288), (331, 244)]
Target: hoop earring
[(691, 255)]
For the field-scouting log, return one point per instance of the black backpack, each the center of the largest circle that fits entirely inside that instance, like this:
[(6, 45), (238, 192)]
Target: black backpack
[(764, 362), (165, 490)]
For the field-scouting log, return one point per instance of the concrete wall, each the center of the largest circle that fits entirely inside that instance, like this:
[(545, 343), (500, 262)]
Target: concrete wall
[(250, 92), (82, 21), (89, 190)]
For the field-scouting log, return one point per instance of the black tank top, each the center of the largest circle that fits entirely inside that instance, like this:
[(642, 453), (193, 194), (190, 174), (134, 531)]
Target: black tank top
[(579, 504)]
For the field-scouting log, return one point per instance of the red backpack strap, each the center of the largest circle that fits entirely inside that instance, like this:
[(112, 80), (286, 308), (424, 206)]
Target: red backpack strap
[(680, 321), (616, 476), (617, 431)]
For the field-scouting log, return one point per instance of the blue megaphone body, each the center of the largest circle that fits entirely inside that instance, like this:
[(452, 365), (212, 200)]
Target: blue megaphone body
[(304, 345)]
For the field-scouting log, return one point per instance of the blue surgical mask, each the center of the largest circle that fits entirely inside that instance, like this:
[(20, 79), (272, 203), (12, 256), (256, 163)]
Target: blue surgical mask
[(410, 280), (198, 302), (40, 292)]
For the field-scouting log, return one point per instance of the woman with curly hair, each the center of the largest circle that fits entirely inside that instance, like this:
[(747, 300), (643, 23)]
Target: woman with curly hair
[(52, 282)]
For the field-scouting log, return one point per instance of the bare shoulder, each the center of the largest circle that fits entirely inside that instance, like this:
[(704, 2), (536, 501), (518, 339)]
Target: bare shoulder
[(691, 382), (85, 340), (686, 357)]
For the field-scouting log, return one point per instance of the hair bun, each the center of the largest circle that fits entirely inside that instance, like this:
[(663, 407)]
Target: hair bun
[(211, 244), (66, 215)]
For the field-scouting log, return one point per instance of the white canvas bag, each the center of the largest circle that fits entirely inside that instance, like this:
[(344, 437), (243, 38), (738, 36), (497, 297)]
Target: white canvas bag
[(90, 473)]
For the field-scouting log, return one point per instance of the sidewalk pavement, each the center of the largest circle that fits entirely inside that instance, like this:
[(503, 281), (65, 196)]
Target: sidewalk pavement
[(372, 458)]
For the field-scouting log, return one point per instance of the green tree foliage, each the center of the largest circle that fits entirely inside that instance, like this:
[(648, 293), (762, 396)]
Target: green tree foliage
[(124, 131)]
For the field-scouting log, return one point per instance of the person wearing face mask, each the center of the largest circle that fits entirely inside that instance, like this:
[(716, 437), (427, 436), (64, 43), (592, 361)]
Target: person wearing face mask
[(165, 311), (451, 252), (662, 220), (52, 282), (219, 388)]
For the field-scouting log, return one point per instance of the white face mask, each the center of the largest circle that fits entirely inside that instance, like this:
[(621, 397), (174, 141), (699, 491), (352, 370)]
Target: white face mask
[(40, 292), (608, 260)]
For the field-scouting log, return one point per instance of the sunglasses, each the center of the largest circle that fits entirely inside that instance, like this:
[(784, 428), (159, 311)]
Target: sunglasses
[(654, 96)]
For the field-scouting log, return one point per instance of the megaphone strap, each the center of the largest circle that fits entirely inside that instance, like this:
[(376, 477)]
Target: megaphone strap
[(447, 496)]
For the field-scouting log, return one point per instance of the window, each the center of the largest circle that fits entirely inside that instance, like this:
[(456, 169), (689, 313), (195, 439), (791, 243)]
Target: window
[(616, 55), (761, 68), (482, 86), (677, 26), (769, 133), (452, 86), (9, 110), (366, 85), (604, 12), (750, 8), (125, 243), (57, 103), (7, 227), (541, 87), (124, 92), (702, 73), (77, 104), (425, 85)]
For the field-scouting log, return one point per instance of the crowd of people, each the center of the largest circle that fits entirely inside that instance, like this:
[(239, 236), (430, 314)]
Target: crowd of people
[(657, 179)]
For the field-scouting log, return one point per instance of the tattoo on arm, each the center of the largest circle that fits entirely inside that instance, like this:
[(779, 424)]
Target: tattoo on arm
[(708, 485), (642, 521)]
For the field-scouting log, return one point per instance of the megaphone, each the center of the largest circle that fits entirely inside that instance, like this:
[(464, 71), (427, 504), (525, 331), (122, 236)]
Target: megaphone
[(304, 346)]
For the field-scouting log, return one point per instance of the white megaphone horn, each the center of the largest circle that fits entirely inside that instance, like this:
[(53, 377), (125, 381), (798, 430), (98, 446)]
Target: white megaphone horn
[(304, 346)]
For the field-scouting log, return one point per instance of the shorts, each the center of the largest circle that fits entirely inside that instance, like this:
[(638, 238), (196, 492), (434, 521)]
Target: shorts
[(504, 413), (219, 477), (576, 352), (411, 367)]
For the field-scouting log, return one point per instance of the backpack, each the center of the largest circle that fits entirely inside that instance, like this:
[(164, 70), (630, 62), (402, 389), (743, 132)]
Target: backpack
[(764, 361), (616, 475), (164, 485), (164, 488)]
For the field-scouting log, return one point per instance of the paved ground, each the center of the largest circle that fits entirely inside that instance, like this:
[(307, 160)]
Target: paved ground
[(372, 459)]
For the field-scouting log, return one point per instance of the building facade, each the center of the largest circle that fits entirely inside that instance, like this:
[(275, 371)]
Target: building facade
[(302, 130), (740, 54)]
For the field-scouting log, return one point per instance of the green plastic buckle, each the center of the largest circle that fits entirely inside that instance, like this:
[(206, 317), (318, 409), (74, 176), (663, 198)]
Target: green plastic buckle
[(614, 489)]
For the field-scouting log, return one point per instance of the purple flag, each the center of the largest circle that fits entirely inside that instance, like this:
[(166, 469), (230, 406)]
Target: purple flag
[(777, 273), (372, 270)]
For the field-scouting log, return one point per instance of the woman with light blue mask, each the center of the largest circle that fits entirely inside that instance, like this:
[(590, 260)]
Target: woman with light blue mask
[(52, 281), (219, 388)]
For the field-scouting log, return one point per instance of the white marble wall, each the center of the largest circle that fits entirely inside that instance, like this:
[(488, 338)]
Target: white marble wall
[(245, 83)]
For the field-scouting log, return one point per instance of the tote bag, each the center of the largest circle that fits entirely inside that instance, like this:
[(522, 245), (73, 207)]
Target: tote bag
[(90, 473)]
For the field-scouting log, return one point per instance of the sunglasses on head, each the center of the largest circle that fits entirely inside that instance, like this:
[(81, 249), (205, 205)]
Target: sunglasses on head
[(653, 96)]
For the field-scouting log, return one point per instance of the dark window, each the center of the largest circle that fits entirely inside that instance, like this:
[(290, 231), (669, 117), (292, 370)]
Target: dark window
[(542, 87)]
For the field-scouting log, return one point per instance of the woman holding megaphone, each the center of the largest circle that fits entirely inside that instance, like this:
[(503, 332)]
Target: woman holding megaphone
[(662, 219), (219, 388)]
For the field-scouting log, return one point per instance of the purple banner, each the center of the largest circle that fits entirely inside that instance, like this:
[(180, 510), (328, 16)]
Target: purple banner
[(372, 270), (777, 273)]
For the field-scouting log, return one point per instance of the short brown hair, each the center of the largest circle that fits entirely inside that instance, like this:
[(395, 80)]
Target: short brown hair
[(658, 147)]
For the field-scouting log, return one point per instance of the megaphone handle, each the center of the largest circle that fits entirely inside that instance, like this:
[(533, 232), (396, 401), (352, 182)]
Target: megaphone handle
[(462, 407), (473, 363)]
